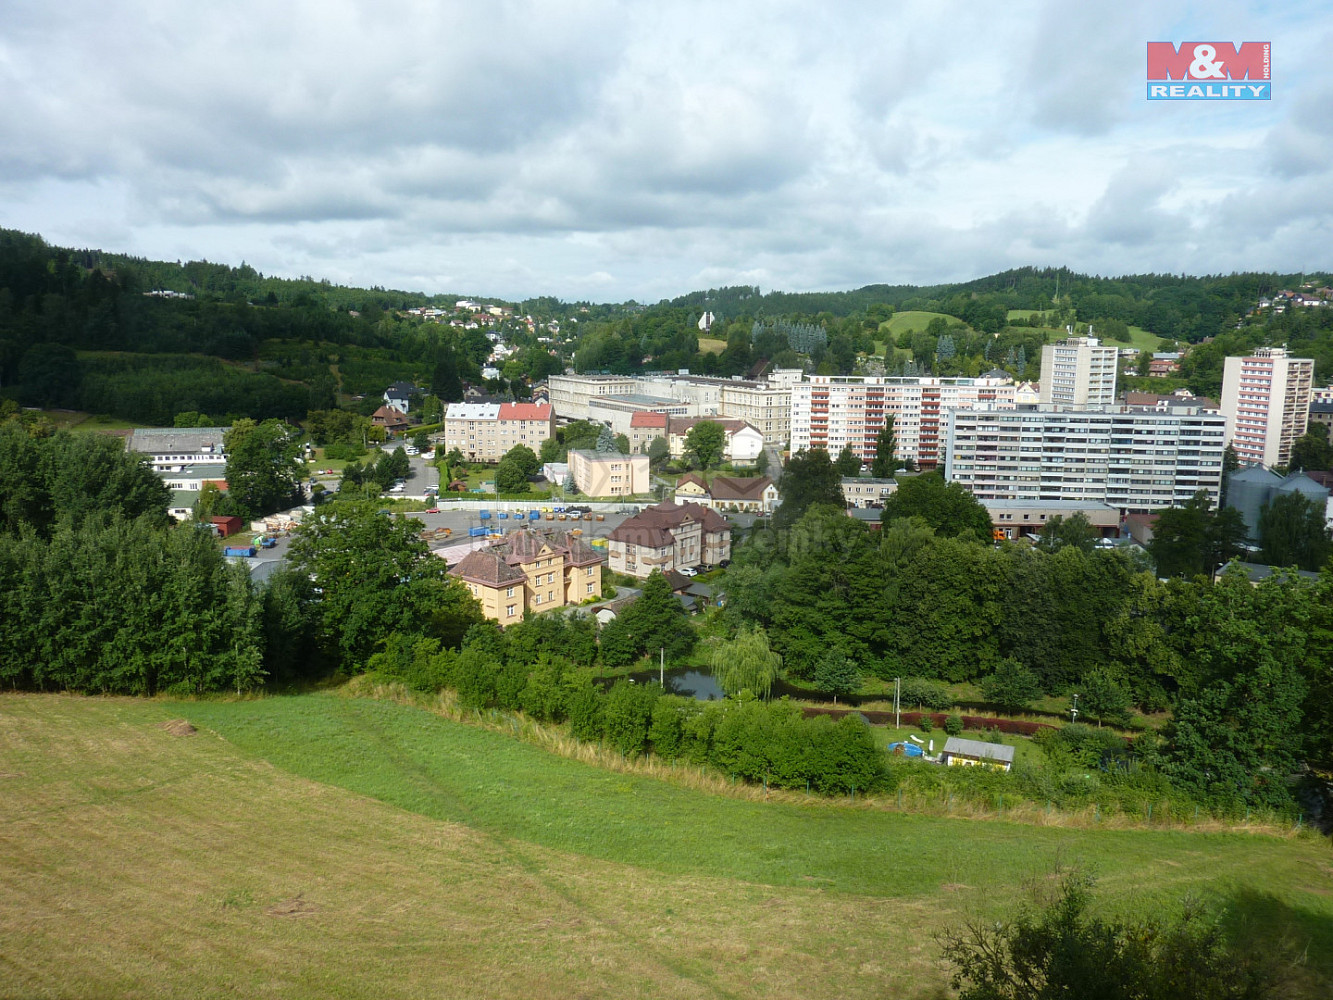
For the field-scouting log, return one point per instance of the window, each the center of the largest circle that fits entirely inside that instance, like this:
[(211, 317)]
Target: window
[(509, 592), (509, 611), (590, 588), (536, 598)]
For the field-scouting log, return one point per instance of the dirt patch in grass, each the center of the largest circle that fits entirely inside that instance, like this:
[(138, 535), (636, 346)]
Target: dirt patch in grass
[(179, 727), (294, 907)]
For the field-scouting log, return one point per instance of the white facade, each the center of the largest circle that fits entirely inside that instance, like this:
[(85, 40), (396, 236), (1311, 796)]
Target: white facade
[(1266, 399), (1078, 371), (484, 432), (766, 405), (1133, 459), (743, 443), (830, 411), (175, 449)]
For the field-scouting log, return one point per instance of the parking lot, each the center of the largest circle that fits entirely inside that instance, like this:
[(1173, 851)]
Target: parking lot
[(516, 515)]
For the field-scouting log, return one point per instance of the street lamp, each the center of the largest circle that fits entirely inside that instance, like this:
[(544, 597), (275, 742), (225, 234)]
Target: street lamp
[(1073, 710)]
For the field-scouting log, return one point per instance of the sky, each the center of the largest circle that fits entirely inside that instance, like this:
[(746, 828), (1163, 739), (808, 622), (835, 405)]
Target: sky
[(608, 151)]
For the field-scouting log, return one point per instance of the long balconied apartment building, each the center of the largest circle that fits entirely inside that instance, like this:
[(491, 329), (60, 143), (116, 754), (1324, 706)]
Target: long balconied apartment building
[(1136, 459), (830, 411)]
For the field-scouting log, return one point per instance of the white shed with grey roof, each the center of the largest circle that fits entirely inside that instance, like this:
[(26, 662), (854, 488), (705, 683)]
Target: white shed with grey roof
[(974, 753)]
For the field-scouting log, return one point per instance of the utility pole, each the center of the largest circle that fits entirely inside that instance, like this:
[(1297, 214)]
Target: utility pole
[(897, 703), (661, 667), (1073, 710)]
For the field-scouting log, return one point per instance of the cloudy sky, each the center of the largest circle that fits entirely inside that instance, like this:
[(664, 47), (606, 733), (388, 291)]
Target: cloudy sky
[(605, 151)]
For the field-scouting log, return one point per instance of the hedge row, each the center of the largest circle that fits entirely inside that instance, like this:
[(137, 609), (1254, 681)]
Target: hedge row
[(975, 722)]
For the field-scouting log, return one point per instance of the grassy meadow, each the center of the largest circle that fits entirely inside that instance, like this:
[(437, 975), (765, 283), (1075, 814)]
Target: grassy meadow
[(322, 845)]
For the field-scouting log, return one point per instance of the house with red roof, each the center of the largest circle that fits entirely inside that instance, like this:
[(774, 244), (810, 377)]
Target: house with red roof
[(393, 421), (644, 427), (743, 441), (530, 570), (669, 536), (741, 494)]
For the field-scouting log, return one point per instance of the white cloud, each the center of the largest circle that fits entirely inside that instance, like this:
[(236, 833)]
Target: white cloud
[(608, 150)]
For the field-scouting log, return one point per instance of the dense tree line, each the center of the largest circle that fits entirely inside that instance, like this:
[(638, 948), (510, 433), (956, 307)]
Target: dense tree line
[(97, 592), (520, 669), (1229, 658), (101, 592)]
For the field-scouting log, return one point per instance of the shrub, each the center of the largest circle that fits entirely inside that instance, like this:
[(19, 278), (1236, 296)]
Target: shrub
[(627, 710), (584, 707), (926, 723), (925, 694), (953, 725)]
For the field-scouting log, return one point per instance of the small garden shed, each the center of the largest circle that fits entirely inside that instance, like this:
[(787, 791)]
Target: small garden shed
[(959, 752)]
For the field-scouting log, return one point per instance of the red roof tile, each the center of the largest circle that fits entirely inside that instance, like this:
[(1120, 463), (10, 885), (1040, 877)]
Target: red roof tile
[(642, 418), (740, 488), (525, 411), (488, 568)]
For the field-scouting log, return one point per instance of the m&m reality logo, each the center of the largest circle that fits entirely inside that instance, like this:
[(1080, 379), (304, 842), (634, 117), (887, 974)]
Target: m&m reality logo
[(1209, 71)]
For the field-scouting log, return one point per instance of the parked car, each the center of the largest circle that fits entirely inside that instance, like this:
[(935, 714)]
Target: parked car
[(432, 510), (688, 571)]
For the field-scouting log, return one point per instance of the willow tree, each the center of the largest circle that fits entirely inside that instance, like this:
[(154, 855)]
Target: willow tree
[(746, 663)]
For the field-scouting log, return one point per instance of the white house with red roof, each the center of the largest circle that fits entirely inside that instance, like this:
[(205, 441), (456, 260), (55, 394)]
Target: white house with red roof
[(743, 444)]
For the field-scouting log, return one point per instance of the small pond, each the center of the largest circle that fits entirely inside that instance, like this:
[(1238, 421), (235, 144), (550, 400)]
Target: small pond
[(698, 683)]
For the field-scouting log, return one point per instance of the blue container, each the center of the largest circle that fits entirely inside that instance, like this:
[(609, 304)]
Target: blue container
[(485, 515), (534, 515), (476, 532), (503, 516)]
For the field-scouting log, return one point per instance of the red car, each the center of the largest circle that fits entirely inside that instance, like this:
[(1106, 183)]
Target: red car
[(432, 510)]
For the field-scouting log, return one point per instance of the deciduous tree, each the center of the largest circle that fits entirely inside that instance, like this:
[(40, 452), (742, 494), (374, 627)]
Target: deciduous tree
[(1292, 532), (947, 507), (263, 466), (373, 576), (837, 674), (705, 444), (1012, 686), (847, 463)]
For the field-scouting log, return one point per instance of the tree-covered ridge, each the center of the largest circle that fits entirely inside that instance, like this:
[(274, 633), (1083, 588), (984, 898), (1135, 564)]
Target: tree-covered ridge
[(78, 330)]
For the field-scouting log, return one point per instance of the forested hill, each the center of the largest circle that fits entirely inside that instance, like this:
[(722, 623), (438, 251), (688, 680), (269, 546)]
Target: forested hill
[(86, 329), (1170, 306)]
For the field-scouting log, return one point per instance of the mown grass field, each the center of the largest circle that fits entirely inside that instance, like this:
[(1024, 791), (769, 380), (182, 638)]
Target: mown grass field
[(336, 847), (77, 420), (712, 345)]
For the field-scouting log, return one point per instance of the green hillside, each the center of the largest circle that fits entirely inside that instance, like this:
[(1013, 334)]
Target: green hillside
[(326, 846)]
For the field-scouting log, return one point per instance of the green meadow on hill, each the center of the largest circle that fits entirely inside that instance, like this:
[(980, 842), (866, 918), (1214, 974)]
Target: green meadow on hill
[(343, 847)]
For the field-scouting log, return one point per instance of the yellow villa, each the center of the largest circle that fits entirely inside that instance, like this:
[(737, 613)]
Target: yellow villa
[(528, 570)]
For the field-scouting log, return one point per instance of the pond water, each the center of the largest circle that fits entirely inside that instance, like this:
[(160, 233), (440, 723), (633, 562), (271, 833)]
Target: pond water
[(698, 683)]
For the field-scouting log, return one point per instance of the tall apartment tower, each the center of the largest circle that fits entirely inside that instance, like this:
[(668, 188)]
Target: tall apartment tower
[(1266, 400), (1078, 371)]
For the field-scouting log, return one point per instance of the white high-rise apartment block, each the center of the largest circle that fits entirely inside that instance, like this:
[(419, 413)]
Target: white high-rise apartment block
[(1136, 459), (1266, 399), (1078, 371), (830, 411)]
